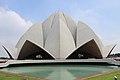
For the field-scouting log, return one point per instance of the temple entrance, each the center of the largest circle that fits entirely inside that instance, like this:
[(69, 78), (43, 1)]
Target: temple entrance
[(88, 50), (33, 52), (38, 56)]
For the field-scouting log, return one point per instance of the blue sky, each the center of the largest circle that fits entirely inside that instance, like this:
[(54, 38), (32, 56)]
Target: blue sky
[(16, 16)]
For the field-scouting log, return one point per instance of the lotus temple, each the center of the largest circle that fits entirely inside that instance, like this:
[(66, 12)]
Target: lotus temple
[(59, 39)]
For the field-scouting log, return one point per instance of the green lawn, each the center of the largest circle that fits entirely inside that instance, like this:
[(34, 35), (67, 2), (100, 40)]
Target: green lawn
[(7, 76), (109, 76)]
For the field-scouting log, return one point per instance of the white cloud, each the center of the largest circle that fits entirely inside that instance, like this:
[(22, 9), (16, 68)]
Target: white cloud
[(12, 26)]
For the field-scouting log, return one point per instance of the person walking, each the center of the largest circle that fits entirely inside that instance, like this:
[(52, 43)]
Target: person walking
[(115, 77)]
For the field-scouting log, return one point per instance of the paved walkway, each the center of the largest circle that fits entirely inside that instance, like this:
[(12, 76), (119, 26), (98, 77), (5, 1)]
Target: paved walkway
[(25, 76), (97, 75)]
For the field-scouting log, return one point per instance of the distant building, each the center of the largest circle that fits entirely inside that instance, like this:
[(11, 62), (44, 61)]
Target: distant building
[(59, 37)]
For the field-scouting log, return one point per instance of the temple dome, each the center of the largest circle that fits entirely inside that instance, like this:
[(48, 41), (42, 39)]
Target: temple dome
[(60, 37)]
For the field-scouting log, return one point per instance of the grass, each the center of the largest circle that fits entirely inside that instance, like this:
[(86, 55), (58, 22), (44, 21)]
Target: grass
[(8, 76), (108, 76), (11, 76)]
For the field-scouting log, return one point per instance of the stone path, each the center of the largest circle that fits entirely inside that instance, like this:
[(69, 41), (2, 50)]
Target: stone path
[(22, 75), (97, 75)]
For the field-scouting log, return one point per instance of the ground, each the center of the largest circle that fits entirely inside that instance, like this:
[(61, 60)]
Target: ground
[(104, 76), (107, 76), (11, 76)]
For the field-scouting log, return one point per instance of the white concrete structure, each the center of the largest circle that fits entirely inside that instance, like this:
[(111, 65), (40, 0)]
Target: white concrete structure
[(79, 61), (59, 37)]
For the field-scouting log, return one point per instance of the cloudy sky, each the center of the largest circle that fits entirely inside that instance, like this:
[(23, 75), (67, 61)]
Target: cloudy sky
[(16, 16)]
